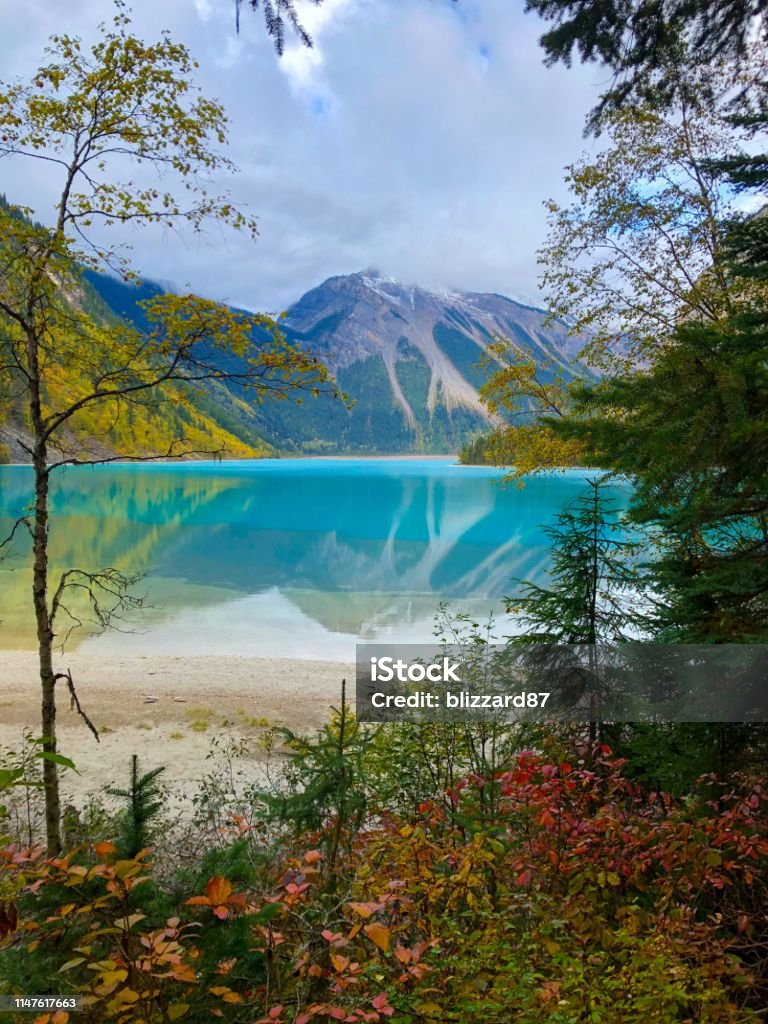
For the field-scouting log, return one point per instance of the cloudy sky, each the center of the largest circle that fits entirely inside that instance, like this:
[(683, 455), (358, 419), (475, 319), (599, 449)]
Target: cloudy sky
[(420, 137)]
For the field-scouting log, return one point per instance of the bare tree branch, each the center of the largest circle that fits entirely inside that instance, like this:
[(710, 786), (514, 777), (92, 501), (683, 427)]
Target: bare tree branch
[(74, 702)]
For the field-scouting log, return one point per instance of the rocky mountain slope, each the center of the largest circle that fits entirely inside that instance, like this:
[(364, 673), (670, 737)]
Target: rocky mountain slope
[(407, 357), (420, 349)]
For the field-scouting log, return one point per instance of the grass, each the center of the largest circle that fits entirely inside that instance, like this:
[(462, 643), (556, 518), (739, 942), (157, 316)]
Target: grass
[(200, 718), (252, 722)]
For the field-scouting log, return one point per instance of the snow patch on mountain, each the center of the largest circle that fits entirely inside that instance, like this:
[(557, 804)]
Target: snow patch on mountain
[(354, 317)]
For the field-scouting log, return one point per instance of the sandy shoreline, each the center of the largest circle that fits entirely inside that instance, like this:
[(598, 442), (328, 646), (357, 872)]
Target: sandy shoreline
[(165, 709)]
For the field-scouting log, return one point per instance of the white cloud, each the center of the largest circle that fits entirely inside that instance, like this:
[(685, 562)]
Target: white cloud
[(204, 10), (303, 66), (420, 136), (749, 203)]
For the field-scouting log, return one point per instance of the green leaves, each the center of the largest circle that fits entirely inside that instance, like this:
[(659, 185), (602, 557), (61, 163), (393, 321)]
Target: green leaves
[(10, 777), (59, 759), (639, 248), (578, 889), (143, 802), (90, 108), (528, 394)]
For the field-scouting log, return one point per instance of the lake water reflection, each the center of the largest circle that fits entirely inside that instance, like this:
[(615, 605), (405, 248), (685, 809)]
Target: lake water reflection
[(292, 558)]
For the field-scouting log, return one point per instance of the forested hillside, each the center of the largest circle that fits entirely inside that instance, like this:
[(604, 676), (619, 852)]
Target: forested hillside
[(210, 420), (408, 359)]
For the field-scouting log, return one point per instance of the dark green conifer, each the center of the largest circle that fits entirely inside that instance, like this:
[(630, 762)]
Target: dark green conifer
[(594, 576), (143, 802)]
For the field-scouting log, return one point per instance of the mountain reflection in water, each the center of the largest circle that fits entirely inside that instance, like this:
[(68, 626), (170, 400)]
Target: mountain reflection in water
[(295, 557)]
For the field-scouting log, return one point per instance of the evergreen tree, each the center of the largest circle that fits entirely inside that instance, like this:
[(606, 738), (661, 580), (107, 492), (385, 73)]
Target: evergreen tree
[(143, 803), (691, 431), (475, 451), (589, 602), (326, 783), (640, 40), (689, 427), (593, 578), (278, 14)]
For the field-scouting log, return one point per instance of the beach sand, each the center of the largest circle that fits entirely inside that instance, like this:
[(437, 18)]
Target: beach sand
[(165, 709)]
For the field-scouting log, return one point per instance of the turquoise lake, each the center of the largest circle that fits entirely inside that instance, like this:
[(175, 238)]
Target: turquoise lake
[(287, 558)]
